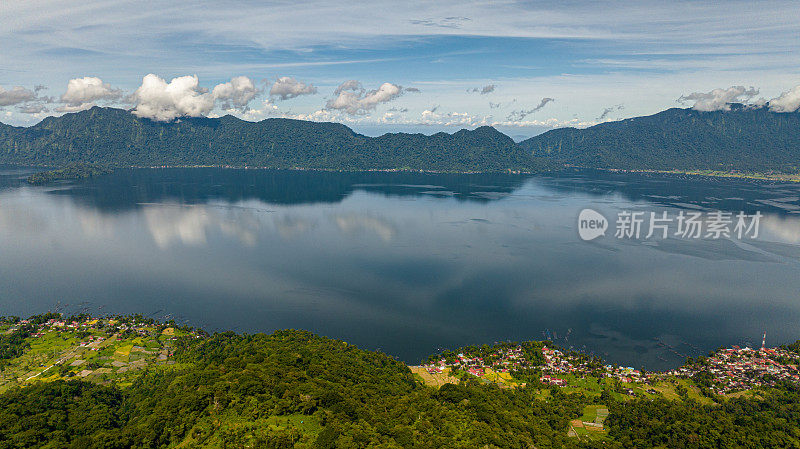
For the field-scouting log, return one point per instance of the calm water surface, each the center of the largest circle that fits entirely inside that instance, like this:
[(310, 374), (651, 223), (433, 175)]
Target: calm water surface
[(406, 263)]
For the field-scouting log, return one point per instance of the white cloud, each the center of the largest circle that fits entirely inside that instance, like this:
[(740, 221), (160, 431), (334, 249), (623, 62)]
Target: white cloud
[(271, 110), (719, 99), (432, 117), (236, 93), (181, 97), (110, 37), (348, 85), (16, 95), (446, 22), (704, 25), (87, 90), (788, 101), (464, 119), (74, 108), (548, 123), (268, 109), (353, 99), (287, 87), (390, 117), (321, 115)]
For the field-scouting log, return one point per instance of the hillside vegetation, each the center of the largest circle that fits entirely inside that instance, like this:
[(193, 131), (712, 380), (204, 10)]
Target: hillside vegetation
[(73, 170), (287, 389), (743, 139), (114, 137), (295, 389)]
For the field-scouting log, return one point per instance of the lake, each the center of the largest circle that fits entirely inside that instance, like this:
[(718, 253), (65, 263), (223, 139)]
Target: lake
[(407, 263)]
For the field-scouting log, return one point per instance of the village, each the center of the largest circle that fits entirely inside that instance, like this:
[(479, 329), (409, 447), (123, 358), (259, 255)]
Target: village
[(728, 370), (101, 348), (97, 349), (737, 369), (556, 364)]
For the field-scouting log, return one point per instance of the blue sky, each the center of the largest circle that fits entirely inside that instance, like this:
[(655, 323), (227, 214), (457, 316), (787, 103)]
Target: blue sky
[(595, 61)]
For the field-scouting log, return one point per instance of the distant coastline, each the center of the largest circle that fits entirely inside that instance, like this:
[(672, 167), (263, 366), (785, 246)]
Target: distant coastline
[(508, 364), (69, 173), (721, 174), (733, 174), (672, 141)]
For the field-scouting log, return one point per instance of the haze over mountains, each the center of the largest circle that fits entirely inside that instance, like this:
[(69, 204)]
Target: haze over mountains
[(744, 138)]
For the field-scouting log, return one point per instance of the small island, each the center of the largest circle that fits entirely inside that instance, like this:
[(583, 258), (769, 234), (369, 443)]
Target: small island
[(75, 170)]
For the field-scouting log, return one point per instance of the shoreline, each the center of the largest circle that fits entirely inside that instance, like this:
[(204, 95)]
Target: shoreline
[(326, 170), (13, 322), (755, 176), (784, 177)]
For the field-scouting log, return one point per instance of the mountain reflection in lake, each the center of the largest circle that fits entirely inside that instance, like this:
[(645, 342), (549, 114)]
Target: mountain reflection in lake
[(406, 263)]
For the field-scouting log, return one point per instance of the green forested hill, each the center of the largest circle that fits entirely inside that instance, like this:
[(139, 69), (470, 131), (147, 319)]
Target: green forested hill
[(293, 389), (288, 389), (118, 138), (744, 139)]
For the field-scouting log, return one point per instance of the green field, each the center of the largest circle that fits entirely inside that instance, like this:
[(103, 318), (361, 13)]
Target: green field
[(220, 431), (590, 425), (97, 353)]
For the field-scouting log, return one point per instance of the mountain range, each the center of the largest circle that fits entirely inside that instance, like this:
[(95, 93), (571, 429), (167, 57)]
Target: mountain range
[(748, 139), (744, 138)]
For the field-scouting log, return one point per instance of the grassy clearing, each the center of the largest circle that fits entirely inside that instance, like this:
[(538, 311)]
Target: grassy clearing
[(588, 385), (694, 392), (589, 427), (208, 432), (435, 379), (543, 394), (749, 394), (590, 413), (667, 389), (122, 352)]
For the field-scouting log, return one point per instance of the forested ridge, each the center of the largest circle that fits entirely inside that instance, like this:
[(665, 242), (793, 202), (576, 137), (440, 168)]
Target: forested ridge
[(229, 388), (742, 139), (745, 139), (115, 137), (73, 170)]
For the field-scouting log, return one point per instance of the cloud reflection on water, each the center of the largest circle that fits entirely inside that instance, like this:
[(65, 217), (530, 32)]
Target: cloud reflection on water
[(406, 272)]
